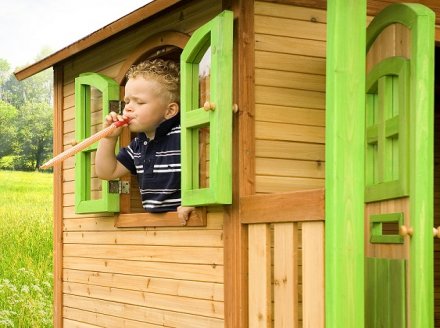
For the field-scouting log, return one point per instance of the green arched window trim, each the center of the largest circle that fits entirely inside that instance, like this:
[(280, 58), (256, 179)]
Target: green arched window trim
[(216, 35), (109, 202), (387, 129)]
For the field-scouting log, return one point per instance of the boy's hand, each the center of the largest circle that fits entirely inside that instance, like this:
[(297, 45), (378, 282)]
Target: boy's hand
[(183, 213), (111, 118)]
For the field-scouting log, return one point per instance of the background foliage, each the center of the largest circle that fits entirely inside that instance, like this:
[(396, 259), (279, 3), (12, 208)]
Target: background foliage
[(25, 118)]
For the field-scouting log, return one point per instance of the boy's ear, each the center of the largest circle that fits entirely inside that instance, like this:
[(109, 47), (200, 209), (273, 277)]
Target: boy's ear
[(172, 110)]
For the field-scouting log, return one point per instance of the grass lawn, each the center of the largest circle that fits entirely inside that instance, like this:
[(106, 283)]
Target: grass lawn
[(26, 267)]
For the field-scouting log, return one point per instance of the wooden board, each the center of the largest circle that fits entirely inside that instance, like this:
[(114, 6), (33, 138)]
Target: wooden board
[(138, 313), (196, 272), (159, 285)]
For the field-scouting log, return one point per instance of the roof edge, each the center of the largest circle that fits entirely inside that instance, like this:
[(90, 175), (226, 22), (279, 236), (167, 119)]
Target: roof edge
[(107, 31)]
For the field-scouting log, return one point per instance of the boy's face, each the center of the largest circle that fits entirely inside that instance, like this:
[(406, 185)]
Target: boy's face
[(145, 105)]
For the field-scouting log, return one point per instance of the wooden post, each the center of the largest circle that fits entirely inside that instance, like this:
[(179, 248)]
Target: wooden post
[(421, 178), (58, 198), (344, 179)]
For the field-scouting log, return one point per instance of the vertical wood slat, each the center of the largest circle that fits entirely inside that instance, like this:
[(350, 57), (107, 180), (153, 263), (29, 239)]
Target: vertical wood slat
[(259, 276), (313, 274), (286, 275)]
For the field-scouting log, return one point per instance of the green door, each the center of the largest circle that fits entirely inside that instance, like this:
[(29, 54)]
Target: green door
[(399, 168)]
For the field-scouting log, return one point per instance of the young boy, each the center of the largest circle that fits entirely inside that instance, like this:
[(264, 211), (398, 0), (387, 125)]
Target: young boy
[(152, 95)]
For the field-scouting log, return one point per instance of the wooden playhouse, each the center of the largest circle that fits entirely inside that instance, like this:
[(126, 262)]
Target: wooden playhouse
[(310, 149)]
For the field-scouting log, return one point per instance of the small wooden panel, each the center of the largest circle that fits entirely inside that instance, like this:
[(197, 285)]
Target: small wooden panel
[(306, 205), (187, 237), (290, 132), (101, 320), (290, 150), (168, 254), (289, 97), (292, 46), (286, 243), (169, 219), (396, 37), (385, 289), (292, 80), (313, 274), (290, 27), (289, 10), (273, 184), (141, 314), (159, 301), (290, 168), (260, 315), (197, 272), (77, 324), (176, 287), (295, 63), (288, 114)]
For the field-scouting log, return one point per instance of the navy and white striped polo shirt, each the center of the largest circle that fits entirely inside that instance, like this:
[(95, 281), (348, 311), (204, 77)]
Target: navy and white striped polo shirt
[(157, 165)]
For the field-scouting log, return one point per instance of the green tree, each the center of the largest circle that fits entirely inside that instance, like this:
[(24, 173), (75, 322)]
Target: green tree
[(8, 128), (5, 71), (37, 89), (34, 135), (26, 117)]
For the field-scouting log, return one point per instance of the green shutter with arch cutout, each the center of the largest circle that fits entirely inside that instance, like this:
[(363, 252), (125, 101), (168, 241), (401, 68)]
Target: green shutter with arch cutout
[(84, 201), (217, 37)]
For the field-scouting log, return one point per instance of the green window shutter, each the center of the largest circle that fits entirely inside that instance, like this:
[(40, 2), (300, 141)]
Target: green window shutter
[(91, 194), (387, 127), (216, 35)]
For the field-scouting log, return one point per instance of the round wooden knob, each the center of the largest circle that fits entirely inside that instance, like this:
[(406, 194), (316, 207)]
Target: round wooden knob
[(436, 232), (235, 108), (405, 231), (74, 143), (208, 106)]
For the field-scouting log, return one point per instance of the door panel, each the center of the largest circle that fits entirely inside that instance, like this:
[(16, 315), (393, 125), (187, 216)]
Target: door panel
[(398, 176)]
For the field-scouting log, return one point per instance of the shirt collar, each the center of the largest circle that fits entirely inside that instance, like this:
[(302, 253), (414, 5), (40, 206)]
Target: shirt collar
[(163, 127)]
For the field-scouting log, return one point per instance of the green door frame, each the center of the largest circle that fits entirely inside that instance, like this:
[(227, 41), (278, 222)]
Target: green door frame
[(345, 118), (344, 182)]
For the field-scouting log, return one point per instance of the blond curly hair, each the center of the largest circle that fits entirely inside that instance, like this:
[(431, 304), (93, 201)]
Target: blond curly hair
[(165, 72)]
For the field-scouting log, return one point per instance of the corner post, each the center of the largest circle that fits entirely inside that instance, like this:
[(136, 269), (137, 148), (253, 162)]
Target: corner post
[(344, 182)]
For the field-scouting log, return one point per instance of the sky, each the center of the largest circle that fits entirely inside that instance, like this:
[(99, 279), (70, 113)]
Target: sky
[(28, 26)]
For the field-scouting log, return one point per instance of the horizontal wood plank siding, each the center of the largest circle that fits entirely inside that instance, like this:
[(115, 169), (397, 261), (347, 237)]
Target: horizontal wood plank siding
[(116, 311), (136, 277), (289, 97)]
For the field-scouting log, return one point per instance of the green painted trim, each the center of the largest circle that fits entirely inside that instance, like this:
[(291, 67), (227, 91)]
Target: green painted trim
[(421, 22), (344, 186), (376, 231), (109, 202), (387, 144), (217, 35)]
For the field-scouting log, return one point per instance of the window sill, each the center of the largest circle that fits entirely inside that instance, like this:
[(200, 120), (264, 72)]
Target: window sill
[(135, 220)]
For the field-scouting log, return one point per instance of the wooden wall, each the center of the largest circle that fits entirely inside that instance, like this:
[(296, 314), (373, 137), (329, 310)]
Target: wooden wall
[(136, 277), (289, 97), (290, 94)]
